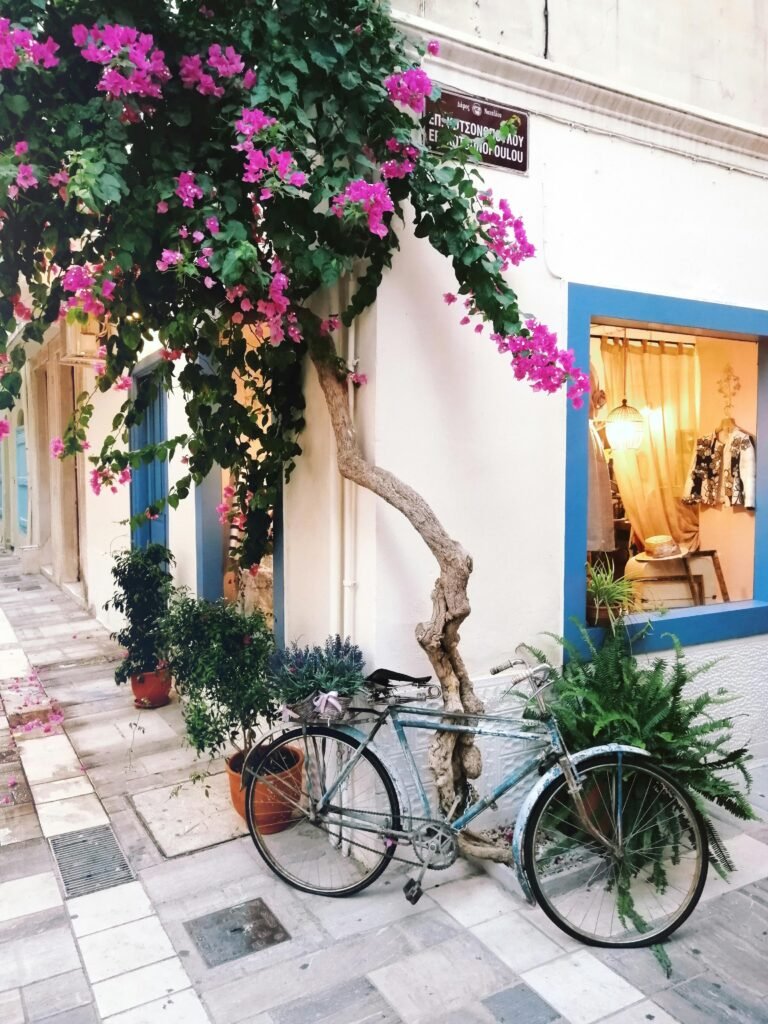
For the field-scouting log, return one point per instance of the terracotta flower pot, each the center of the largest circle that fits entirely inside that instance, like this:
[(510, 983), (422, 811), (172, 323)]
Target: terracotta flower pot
[(274, 802), (152, 689)]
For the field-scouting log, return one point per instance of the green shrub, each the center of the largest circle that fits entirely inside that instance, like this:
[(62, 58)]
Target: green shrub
[(218, 657), (142, 590)]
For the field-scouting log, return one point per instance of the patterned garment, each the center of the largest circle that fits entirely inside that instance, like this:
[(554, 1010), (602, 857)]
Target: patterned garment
[(723, 471)]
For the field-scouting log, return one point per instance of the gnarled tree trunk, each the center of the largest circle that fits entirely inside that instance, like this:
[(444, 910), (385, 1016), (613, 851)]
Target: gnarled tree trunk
[(453, 759)]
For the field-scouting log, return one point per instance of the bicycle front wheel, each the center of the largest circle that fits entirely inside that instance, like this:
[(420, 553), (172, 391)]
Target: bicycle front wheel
[(640, 888), (321, 811)]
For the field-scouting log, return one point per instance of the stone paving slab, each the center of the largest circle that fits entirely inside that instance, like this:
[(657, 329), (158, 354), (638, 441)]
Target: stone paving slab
[(471, 952)]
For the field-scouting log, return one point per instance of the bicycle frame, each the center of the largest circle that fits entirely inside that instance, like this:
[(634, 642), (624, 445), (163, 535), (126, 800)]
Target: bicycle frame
[(404, 717)]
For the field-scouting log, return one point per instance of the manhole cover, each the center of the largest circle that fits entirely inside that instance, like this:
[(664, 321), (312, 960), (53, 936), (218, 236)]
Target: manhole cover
[(90, 860), (237, 931)]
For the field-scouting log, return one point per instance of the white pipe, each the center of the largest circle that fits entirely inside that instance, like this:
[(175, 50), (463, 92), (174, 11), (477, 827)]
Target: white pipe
[(349, 512), (336, 539)]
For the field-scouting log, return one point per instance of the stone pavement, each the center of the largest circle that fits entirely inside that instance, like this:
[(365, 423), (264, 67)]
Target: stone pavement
[(203, 932)]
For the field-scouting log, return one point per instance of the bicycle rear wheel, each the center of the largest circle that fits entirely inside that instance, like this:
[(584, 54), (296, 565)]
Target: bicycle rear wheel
[(637, 893), (335, 848)]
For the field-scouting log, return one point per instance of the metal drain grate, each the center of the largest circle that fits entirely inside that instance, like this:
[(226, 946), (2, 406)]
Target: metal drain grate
[(90, 860)]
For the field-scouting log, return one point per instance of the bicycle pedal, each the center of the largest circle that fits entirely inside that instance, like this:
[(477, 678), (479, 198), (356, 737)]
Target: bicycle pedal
[(413, 891)]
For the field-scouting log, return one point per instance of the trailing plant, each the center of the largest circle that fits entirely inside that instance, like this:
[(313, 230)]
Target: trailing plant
[(297, 672), (143, 588), (608, 696), (201, 175), (218, 657)]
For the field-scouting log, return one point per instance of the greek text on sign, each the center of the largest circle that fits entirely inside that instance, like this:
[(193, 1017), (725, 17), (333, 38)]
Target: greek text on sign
[(475, 119)]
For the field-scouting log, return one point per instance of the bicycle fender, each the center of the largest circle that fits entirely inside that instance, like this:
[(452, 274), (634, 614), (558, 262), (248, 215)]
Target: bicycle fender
[(521, 824)]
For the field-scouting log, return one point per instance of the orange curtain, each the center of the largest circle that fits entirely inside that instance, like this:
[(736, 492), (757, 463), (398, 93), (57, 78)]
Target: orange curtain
[(662, 382)]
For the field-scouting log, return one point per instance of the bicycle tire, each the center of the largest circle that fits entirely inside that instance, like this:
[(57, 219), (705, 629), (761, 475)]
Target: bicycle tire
[(554, 813), (281, 855)]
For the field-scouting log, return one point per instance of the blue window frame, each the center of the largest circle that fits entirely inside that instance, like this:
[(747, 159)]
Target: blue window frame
[(702, 624), (22, 476), (149, 482)]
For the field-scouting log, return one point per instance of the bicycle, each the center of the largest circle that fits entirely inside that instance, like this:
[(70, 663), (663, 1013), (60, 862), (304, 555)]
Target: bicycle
[(606, 842)]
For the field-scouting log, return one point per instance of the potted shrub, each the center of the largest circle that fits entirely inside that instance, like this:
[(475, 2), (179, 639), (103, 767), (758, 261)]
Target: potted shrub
[(218, 656), (317, 682), (142, 589)]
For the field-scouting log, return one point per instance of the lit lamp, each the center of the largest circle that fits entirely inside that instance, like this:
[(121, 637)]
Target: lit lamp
[(624, 425)]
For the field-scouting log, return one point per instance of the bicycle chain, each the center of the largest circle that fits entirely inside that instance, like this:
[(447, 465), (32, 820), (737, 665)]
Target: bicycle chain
[(412, 818), (383, 814)]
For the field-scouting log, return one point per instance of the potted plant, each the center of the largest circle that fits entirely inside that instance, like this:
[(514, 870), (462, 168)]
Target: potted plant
[(608, 597), (142, 589), (604, 694), (317, 682), (218, 656)]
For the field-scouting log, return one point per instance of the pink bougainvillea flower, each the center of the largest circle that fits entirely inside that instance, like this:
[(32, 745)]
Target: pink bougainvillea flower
[(187, 189), (464, 321), (19, 46), (59, 178), (197, 236), (212, 224), (123, 384), (363, 196), (237, 318), (250, 78), (253, 121), (506, 237), (169, 258), (108, 288), (359, 378), (449, 298), (409, 88), (132, 65), (162, 206), (21, 148), (25, 177), (56, 448), (329, 325), (433, 47), (21, 312), (208, 282), (226, 62)]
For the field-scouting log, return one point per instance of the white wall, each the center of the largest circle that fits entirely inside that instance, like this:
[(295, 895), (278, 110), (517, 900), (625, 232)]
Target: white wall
[(106, 515), (607, 204), (702, 53)]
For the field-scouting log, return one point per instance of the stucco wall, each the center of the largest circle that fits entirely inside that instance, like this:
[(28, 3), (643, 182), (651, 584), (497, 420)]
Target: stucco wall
[(442, 408), (702, 53)]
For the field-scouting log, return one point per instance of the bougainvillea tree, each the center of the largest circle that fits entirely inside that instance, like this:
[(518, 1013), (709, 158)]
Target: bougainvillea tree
[(198, 174)]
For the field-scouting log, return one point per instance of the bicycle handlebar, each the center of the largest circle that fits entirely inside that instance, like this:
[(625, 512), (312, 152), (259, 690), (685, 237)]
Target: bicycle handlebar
[(501, 667)]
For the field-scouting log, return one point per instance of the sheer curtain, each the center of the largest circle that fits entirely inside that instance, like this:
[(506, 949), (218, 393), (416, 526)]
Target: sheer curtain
[(662, 383)]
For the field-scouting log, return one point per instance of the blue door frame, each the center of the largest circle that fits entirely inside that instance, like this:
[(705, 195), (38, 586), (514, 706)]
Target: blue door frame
[(22, 479), (149, 482)]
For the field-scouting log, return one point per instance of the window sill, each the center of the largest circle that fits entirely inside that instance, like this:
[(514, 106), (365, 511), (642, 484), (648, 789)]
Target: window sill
[(702, 624)]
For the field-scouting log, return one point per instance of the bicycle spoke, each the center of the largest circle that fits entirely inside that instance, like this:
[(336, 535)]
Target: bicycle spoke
[(631, 892)]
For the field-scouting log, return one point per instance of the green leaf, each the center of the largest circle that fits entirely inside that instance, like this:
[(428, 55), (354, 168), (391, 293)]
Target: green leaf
[(17, 104)]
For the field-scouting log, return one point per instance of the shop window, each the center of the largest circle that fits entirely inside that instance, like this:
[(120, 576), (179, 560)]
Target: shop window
[(664, 477)]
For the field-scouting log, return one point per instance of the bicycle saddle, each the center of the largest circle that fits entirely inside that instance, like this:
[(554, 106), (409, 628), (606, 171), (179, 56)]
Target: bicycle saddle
[(387, 676)]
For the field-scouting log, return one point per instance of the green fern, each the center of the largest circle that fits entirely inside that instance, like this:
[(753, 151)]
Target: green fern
[(609, 697)]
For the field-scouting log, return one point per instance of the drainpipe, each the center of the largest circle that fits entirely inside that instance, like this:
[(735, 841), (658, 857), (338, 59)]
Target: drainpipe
[(343, 505), (349, 514)]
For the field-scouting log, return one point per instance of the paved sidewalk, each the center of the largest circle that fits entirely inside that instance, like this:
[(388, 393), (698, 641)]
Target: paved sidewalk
[(204, 932)]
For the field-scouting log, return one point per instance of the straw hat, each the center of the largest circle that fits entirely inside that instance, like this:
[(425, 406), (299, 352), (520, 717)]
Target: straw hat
[(660, 548)]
